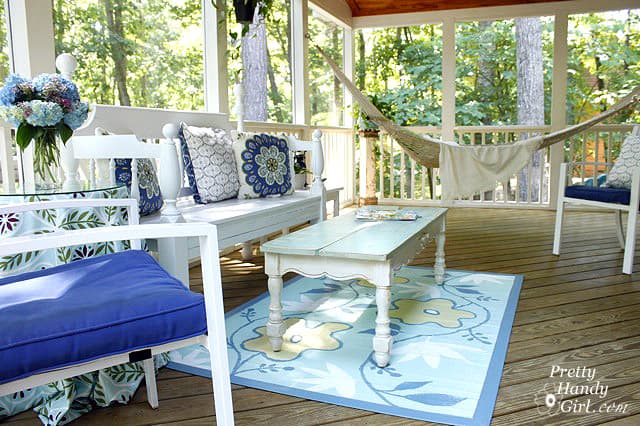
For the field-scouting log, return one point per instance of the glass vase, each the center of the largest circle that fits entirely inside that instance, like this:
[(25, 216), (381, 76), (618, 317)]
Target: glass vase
[(46, 159)]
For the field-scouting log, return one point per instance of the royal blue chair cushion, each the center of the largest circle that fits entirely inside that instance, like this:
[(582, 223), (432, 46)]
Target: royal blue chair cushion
[(89, 309), (601, 193)]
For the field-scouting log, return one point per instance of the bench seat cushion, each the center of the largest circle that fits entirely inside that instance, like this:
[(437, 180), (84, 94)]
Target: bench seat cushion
[(601, 193), (92, 308)]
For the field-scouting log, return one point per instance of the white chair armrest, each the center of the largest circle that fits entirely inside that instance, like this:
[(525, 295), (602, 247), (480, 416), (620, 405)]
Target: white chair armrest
[(206, 232)]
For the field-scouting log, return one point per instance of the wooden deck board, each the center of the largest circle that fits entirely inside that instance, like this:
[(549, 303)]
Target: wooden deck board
[(575, 310)]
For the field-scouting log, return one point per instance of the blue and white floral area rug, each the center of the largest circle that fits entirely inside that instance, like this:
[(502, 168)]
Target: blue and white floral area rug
[(450, 342)]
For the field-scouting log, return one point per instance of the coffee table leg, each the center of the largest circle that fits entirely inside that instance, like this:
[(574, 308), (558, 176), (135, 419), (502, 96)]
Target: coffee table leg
[(438, 268), (382, 341), (275, 326)]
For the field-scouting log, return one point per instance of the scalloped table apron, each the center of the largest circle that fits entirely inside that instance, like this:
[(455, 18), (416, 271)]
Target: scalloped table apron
[(345, 248), (65, 400)]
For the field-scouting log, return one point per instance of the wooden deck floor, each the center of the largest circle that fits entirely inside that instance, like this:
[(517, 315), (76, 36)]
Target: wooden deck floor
[(577, 310)]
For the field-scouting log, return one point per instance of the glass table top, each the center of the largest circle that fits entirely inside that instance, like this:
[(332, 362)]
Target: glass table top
[(82, 186)]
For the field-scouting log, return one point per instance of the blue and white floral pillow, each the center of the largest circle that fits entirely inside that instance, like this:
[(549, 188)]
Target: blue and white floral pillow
[(150, 196), (620, 174), (209, 163), (265, 164)]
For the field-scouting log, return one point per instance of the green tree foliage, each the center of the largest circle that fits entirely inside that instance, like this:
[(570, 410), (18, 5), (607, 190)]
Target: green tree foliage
[(325, 90), (4, 49), (162, 41), (404, 73), (403, 69), (604, 56)]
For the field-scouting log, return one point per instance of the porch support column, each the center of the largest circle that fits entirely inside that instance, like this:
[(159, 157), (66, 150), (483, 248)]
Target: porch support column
[(558, 100), (348, 60), (448, 78), (216, 82), (368, 140), (33, 52), (348, 55), (300, 63)]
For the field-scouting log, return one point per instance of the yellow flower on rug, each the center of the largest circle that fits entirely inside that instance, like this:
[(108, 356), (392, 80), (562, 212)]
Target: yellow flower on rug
[(297, 339), (396, 280), (440, 311)]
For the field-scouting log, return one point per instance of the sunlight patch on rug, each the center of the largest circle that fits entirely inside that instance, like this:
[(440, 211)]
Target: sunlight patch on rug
[(450, 342)]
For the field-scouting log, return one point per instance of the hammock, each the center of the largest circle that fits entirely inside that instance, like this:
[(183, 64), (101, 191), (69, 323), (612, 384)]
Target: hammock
[(468, 169)]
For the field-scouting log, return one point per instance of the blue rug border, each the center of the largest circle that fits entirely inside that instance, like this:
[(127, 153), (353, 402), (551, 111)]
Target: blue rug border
[(486, 403)]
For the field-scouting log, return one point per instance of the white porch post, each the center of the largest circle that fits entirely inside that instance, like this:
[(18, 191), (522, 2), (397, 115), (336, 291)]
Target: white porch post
[(300, 63), (348, 59), (558, 100), (448, 78), (33, 52), (216, 82)]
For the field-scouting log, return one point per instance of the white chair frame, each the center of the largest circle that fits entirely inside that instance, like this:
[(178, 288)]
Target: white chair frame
[(127, 146), (628, 242), (214, 340)]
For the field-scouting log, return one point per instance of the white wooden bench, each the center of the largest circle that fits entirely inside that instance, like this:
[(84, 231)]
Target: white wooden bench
[(238, 221)]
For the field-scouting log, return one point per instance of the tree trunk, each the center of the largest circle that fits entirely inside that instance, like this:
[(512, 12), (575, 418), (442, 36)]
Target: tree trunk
[(530, 96), (486, 70), (113, 12), (362, 64), (337, 88), (254, 70)]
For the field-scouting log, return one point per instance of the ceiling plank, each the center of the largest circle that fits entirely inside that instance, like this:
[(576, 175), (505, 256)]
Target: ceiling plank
[(361, 8), (354, 6)]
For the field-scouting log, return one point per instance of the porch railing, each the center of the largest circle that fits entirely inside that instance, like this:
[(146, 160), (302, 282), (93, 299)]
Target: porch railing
[(401, 180)]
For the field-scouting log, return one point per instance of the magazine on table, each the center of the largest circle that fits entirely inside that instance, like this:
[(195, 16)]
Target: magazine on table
[(374, 213)]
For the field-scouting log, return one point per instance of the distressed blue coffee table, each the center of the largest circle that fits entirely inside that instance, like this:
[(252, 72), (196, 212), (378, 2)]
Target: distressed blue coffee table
[(345, 248)]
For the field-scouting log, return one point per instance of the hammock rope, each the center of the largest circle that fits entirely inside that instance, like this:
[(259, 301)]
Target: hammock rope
[(426, 150)]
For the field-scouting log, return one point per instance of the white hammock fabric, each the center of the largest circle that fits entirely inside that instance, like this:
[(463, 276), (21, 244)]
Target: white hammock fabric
[(468, 169), (464, 172)]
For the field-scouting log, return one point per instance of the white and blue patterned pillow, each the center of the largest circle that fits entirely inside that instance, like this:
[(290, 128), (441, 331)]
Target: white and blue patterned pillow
[(150, 196), (620, 174), (209, 163), (265, 164)]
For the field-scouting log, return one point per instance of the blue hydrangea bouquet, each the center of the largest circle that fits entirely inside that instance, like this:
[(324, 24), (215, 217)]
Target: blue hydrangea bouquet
[(43, 110)]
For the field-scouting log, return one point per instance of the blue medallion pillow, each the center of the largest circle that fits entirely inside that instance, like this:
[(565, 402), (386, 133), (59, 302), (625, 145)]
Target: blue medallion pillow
[(150, 196), (265, 164), (188, 166), (209, 163)]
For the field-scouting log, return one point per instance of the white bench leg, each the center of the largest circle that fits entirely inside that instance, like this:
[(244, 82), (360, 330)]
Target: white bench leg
[(247, 251), (150, 381), (173, 256)]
